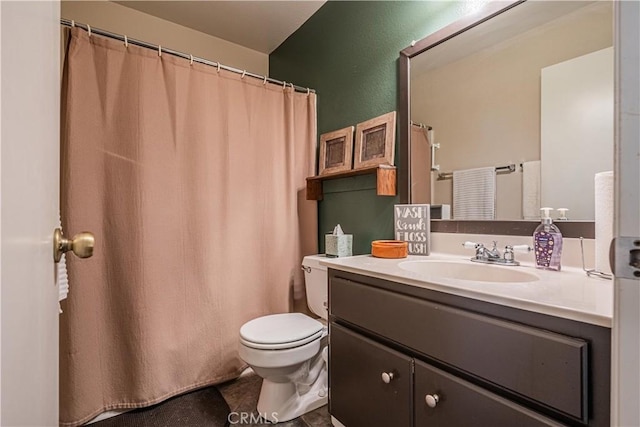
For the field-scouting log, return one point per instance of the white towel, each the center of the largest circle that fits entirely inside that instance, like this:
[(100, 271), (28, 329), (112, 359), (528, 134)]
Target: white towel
[(62, 279), (531, 190), (474, 193)]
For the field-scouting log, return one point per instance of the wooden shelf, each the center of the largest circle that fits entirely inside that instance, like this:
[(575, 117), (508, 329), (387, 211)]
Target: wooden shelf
[(385, 183)]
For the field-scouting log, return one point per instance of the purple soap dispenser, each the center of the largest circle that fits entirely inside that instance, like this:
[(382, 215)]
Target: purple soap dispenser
[(547, 243)]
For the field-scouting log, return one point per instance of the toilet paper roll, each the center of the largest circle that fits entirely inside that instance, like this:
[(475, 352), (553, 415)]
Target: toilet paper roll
[(604, 219)]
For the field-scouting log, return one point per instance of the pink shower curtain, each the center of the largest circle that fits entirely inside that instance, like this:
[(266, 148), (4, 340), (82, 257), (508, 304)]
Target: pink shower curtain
[(420, 165), (192, 181)]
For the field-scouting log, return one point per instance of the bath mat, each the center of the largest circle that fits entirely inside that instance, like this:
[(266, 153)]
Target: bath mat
[(204, 407)]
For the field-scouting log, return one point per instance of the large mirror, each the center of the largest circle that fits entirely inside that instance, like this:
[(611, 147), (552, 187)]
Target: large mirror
[(525, 92)]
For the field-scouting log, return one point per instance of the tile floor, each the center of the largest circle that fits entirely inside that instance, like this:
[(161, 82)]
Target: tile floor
[(210, 407), (242, 396)]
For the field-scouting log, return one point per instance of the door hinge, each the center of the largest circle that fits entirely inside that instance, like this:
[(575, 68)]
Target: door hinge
[(624, 257)]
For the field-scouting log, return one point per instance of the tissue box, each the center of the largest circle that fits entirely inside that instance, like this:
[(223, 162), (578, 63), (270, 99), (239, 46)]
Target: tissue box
[(338, 245)]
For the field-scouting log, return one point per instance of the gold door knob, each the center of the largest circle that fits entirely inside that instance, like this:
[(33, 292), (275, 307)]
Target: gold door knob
[(81, 244)]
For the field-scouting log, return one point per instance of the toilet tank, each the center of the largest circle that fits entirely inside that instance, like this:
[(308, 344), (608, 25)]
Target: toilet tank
[(316, 284)]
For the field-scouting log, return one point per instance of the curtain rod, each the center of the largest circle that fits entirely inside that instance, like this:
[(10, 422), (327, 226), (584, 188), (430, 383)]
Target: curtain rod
[(160, 49), (421, 125)]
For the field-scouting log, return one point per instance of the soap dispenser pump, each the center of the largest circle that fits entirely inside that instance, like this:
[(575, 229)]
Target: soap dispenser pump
[(562, 214), (547, 243)]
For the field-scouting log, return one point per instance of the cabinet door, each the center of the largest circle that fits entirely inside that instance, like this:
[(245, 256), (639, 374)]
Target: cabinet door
[(550, 368), (443, 400), (370, 384)]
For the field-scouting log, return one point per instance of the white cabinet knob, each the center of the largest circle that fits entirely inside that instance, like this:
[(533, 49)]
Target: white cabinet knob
[(432, 400), (387, 377)]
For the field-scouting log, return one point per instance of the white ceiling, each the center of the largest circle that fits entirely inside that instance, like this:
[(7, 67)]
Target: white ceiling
[(258, 25)]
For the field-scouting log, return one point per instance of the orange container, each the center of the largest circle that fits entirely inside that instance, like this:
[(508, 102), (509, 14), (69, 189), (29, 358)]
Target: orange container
[(389, 249)]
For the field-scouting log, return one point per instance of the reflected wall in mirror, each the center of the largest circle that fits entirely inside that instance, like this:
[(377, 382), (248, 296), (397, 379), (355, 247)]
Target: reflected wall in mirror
[(530, 87)]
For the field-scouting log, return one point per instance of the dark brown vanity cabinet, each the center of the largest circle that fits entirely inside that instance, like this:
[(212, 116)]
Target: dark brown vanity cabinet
[(364, 398), (444, 400), (409, 356)]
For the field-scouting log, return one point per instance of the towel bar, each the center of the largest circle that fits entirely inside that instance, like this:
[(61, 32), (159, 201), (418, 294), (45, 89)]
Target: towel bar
[(504, 169)]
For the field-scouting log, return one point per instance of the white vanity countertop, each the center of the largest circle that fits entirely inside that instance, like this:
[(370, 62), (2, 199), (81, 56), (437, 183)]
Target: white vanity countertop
[(569, 294)]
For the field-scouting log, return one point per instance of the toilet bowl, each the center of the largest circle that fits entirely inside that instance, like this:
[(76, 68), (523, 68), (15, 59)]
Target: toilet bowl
[(288, 351)]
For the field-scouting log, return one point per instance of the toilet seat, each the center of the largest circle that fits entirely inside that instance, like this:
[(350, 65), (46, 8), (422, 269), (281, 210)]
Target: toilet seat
[(280, 331)]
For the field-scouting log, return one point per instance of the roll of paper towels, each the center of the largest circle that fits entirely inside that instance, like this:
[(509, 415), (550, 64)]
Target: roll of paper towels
[(603, 218)]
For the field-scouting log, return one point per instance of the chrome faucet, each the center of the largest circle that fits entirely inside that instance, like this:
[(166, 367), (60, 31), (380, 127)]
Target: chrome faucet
[(493, 253), (493, 256)]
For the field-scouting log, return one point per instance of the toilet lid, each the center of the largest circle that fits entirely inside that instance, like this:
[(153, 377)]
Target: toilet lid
[(277, 329)]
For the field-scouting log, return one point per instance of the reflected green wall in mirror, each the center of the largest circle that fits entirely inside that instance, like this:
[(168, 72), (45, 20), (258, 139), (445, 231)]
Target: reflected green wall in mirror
[(348, 52)]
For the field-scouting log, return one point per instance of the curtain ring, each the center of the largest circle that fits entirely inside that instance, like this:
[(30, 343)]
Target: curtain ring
[(89, 29), (308, 91), (284, 85), (244, 72), (126, 41), (264, 82), (159, 50), (218, 66), (191, 60), (73, 23)]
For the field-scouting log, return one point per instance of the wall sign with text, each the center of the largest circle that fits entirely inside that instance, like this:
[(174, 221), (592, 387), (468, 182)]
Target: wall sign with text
[(412, 223)]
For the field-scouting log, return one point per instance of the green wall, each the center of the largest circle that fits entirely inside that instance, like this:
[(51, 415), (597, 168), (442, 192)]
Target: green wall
[(348, 52)]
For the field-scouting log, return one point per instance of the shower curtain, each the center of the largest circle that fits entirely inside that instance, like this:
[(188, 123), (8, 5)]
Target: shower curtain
[(420, 165), (192, 180)]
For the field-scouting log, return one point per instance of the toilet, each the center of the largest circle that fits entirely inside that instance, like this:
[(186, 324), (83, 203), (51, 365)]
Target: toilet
[(289, 351)]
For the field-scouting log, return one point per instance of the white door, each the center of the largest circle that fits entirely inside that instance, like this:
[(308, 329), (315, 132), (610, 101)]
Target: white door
[(626, 322), (29, 178), (576, 111)]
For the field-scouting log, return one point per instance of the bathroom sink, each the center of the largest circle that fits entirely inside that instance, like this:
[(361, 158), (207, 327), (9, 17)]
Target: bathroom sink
[(468, 271)]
